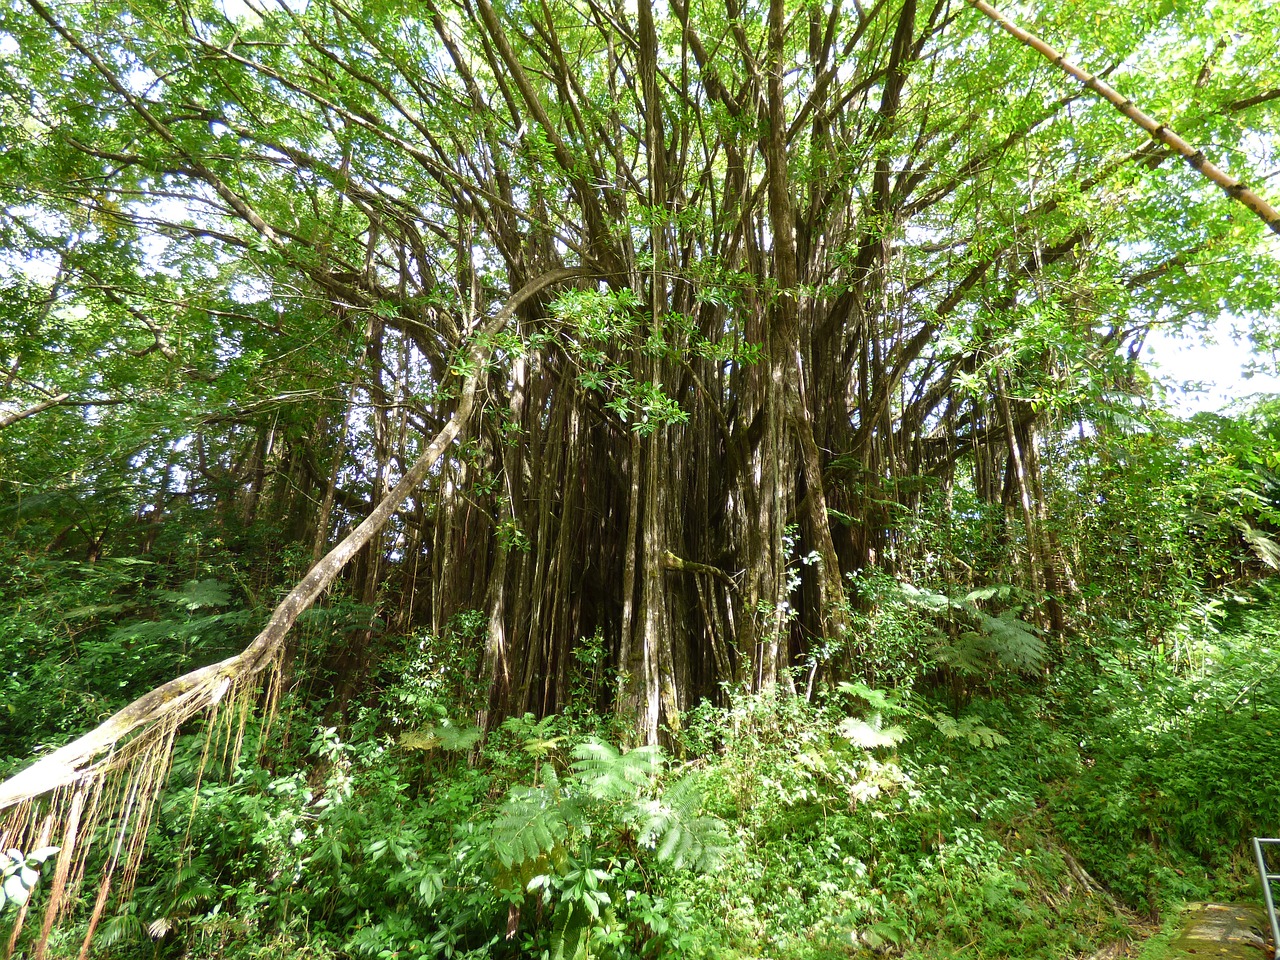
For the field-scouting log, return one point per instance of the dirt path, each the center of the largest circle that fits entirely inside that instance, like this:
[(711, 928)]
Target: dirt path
[(1220, 931)]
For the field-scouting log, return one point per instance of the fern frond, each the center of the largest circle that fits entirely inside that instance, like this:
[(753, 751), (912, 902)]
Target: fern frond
[(968, 655), (529, 824), (977, 734), (569, 932), (997, 591), (1014, 643), (680, 833), (926, 599), (884, 701), (120, 928), (871, 734), (608, 774), (457, 739)]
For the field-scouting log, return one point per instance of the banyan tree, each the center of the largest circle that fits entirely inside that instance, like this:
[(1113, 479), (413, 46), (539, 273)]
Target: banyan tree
[(630, 321)]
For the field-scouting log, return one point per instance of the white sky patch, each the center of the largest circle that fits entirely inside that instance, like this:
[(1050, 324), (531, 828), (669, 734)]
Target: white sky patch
[(154, 249), (237, 11), (1205, 372)]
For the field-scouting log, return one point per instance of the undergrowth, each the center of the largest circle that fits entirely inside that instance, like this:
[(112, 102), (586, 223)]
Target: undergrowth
[(1037, 818)]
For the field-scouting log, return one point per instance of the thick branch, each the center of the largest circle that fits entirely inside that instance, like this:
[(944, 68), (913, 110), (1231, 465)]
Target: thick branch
[(1159, 131), (11, 418), (204, 687), (671, 562)]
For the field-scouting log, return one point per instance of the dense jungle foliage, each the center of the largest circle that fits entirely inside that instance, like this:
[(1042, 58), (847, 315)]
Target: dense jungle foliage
[(576, 479), (984, 790)]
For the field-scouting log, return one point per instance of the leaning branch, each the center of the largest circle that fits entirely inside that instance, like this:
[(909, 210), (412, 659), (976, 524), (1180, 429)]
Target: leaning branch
[(203, 688), (11, 418), (1234, 188)]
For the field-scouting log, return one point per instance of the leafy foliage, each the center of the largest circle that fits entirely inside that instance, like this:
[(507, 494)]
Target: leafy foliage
[(19, 874), (831, 468)]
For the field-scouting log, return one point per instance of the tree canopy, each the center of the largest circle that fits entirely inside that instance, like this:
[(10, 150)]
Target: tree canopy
[(662, 331)]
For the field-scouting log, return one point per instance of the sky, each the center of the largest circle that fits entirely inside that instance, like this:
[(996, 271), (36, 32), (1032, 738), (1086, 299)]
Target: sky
[(1204, 372)]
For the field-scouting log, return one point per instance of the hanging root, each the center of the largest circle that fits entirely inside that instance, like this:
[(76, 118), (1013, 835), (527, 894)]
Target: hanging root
[(114, 798)]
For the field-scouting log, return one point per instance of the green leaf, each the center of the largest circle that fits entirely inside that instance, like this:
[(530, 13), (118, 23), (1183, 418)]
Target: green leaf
[(37, 857), (871, 735), (15, 889), (444, 736), (926, 599)]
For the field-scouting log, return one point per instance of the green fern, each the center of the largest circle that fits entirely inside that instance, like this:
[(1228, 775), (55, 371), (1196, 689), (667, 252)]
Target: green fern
[(967, 728), (570, 932), (999, 591), (1003, 640), (886, 702), (929, 600), (121, 928), (529, 824), (1016, 645), (681, 835), (609, 774), (443, 736), (871, 733)]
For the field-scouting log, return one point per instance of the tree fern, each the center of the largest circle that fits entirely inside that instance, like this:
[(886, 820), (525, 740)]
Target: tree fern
[(887, 702), (1003, 640), (871, 732), (1013, 642)]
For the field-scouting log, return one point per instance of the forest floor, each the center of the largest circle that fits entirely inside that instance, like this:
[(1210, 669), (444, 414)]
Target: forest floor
[(1010, 816)]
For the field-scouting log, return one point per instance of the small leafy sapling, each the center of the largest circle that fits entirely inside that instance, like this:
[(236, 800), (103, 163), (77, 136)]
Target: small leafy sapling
[(19, 874)]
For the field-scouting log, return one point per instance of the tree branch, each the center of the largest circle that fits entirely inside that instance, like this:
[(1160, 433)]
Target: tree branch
[(10, 419), (187, 695), (1234, 188)]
